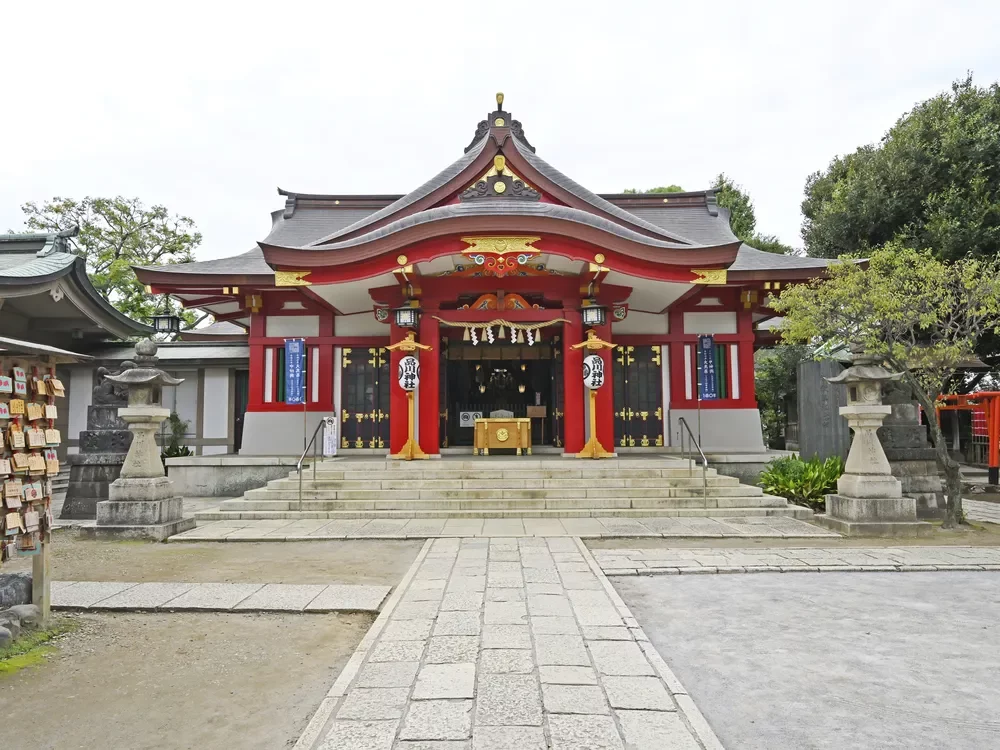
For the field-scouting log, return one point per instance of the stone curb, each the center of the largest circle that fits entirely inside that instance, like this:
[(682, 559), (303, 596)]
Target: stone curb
[(314, 729), (686, 707), (719, 570), (244, 592), (181, 539)]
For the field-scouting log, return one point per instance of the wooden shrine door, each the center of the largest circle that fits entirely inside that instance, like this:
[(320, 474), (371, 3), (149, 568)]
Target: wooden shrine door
[(637, 376), (364, 394)]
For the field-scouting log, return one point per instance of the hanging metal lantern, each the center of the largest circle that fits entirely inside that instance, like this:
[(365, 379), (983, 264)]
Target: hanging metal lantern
[(593, 371)]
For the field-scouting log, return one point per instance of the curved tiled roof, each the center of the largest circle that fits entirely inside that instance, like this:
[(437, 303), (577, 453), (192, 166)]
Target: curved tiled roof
[(23, 266), (310, 225), (250, 263), (504, 208), (691, 221), (752, 259)]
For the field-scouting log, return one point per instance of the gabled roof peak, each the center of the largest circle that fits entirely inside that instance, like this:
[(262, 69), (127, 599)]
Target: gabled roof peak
[(499, 120)]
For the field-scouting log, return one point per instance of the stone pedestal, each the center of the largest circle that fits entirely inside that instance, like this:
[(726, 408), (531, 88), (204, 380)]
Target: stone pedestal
[(141, 508), (911, 457), (869, 500), (103, 446)]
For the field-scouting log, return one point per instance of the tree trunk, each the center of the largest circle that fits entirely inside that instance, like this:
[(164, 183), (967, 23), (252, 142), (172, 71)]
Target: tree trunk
[(953, 514)]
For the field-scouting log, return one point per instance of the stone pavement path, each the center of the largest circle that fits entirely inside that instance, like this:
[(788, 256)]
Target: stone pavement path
[(278, 529), (217, 597), (506, 644), (978, 510), (619, 562)]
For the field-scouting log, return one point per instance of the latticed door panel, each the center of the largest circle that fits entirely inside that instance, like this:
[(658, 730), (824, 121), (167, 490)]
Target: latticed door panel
[(556, 410), (637, 377), (364, 413)]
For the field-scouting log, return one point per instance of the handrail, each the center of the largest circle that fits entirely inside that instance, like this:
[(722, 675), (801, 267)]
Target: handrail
[(704, 461), (298, 465)]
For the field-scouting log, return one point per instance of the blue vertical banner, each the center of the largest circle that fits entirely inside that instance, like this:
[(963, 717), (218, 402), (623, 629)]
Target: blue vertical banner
[(295, 365), (709, 383)]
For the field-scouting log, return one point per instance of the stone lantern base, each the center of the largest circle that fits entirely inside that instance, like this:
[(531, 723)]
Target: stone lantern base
[(873, 516), (143, 508)]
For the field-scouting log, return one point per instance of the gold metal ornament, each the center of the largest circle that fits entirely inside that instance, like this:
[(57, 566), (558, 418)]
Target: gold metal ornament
[(401, 260), (500, 245), (502, 435), (599, 258), (709, 276), (499, 122), (291, 278), (499, 187)]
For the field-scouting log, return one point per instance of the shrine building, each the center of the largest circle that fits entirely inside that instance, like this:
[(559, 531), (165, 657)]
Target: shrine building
[(500, 263)]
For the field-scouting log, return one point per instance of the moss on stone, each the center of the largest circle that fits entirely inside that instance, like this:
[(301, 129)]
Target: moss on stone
[(33, 646)]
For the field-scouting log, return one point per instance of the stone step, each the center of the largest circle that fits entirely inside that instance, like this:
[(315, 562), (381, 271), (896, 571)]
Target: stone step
[(506, 504), (489, 483), (425, 471), (497, 494), (790, 511)]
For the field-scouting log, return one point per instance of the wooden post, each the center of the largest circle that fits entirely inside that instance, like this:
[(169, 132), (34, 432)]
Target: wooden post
[(41, 576)]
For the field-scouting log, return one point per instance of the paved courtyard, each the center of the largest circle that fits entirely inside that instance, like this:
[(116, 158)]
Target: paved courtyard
[(832, 660), (497, 644)]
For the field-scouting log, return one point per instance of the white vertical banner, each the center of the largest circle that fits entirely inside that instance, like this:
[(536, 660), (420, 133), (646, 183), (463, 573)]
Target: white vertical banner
[(688, 386), (268, 375), (734, 371), (331, 438), (665, 374)]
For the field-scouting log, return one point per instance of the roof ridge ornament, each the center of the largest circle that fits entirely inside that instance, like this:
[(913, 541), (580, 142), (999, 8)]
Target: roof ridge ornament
[(499, 118), (500, 182)]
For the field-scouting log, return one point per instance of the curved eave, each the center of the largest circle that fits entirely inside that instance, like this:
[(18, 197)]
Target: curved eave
[(164, 277), (110, 317), (534, 218)]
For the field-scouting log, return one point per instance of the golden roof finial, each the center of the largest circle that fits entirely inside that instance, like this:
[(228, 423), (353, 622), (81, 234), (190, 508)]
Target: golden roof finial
[(500, 101)]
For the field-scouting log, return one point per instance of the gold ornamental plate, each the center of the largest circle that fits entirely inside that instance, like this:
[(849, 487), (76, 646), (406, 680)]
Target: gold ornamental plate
[(502, 435)]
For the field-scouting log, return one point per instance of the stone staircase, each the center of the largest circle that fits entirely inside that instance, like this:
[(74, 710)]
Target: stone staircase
[(499, 487)]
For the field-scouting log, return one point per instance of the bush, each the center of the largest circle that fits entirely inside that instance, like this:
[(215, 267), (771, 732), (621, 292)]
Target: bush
[(178, 428), (802, 482)]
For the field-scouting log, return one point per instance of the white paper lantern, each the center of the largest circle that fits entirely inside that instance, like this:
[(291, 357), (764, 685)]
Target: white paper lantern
[(409, 373), (593, 371)]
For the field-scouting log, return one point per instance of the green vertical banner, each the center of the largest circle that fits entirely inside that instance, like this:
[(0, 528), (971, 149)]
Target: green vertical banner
[(721, 370)]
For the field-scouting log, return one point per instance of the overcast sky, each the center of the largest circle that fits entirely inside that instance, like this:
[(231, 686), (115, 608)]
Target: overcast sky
[(207, 108)]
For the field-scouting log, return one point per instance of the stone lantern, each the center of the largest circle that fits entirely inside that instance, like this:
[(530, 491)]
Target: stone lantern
[(869, 498), (141, 501)]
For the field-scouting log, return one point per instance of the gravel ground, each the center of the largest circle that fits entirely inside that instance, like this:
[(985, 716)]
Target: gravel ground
[(975, 535), (828, 661), (206, 681), (360, 561)]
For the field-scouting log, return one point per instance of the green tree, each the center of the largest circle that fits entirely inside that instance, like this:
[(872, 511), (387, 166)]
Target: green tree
[(743, 218), (662, 189), (775, 377), (933, 181), (919, 315), (115, 234)]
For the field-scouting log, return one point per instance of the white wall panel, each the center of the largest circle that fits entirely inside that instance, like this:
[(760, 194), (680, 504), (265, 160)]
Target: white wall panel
[(709, 322), (292, 326)]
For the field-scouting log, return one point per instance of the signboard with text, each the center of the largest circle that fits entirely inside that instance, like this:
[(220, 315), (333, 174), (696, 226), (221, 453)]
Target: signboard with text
[(708, 383), (295, 365)]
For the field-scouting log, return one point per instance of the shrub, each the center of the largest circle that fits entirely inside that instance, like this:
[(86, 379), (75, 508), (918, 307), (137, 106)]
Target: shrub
[(178, 428), (803, 482)]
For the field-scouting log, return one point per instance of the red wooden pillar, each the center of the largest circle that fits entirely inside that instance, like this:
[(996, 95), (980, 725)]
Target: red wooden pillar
[(605, 394), (256, 385), (748, 387), (429, 387), (398, 414), (573, 410)]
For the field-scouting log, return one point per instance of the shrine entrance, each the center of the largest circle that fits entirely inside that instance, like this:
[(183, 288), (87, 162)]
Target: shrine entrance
[(480, 379)]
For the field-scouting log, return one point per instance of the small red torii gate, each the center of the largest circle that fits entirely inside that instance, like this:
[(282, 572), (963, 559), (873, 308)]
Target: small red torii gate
[(989, 403)]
